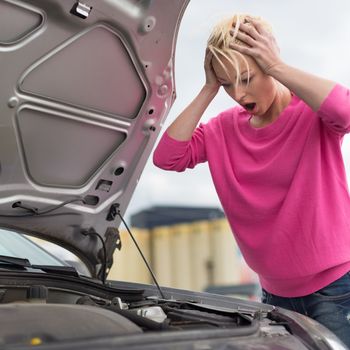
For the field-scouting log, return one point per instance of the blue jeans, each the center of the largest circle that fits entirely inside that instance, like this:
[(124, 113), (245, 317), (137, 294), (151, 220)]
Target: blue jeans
[(329, 306)]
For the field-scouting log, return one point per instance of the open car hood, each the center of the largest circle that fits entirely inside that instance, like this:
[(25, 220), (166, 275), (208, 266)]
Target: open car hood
[(84, 89)]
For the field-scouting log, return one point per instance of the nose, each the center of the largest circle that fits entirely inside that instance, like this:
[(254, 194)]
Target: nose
[(238, 93)]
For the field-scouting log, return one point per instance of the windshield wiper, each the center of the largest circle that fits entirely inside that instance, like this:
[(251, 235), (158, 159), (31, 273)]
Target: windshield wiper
[(15, 261), (25, 263), (62, 270)]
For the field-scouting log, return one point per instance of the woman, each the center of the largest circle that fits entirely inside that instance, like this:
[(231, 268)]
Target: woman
[(276, 163)]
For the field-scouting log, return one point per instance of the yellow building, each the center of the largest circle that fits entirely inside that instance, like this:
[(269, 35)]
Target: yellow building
[(194, 254)]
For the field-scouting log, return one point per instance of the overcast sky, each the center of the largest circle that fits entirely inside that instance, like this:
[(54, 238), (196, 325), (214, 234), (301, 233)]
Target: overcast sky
[(313, 35)]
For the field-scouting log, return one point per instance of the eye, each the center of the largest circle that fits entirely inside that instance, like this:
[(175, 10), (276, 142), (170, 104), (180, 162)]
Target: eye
[(225, 85), (246, 80)]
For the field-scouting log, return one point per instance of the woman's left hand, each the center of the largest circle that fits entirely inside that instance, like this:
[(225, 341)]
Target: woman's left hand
[(262, 45)]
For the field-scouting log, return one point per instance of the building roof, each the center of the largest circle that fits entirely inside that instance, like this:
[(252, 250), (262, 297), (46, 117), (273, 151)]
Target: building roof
[(170, 215)]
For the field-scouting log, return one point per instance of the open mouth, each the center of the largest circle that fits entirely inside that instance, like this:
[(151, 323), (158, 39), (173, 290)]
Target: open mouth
[(249, 106)]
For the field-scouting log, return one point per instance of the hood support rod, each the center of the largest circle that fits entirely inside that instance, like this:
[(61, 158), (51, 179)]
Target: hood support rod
[(143, 257)]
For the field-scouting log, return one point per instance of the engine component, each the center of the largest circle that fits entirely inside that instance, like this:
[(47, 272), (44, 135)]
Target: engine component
[(50, 322)]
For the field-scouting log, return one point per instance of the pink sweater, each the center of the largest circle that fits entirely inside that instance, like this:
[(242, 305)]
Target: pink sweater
[(283, 189)]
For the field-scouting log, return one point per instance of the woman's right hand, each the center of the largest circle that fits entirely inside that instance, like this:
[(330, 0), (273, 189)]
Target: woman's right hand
[(183, 126), (210, 78)]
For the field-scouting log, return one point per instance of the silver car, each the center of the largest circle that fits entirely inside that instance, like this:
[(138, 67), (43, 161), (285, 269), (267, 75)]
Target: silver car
[(84, 90)]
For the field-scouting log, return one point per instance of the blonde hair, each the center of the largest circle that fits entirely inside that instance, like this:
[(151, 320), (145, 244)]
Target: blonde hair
[(220, 39)]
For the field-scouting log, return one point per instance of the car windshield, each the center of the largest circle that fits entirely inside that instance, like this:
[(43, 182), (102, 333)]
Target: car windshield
[(16, 245)]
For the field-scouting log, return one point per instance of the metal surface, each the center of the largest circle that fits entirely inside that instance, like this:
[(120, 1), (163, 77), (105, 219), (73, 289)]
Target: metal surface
[(84, 89)]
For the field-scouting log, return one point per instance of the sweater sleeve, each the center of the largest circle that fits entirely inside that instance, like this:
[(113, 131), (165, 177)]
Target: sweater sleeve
[(171, 154), (335, 110)]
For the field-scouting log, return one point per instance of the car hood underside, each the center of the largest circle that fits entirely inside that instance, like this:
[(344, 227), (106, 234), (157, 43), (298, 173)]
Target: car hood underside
[(84, 88)]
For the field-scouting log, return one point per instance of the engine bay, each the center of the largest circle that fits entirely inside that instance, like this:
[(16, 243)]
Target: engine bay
[(48, 310)]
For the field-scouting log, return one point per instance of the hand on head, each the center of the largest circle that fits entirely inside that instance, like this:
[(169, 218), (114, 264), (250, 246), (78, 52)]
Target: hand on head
[(259, 44)]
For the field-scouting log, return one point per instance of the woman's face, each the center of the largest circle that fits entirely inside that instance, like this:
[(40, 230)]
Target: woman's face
[(257, 96)]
